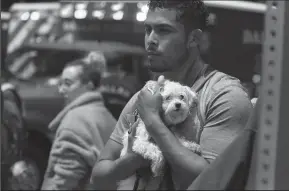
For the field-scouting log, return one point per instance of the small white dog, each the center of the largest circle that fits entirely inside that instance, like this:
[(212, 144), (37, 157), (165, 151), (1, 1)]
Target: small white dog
[(178, 102)]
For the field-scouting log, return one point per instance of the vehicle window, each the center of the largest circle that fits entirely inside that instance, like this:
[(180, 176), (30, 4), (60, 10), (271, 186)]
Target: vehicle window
[(34, 64)]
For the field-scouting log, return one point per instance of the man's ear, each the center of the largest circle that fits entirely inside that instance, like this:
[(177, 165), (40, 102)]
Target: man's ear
[(194, 38)]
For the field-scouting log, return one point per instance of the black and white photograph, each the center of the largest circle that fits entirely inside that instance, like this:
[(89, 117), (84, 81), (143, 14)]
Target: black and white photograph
[(144, 95)]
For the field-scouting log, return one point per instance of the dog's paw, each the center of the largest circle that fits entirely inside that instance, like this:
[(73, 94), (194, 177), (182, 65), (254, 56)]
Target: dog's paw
[(140, 147), (196, 148), (157, 166)]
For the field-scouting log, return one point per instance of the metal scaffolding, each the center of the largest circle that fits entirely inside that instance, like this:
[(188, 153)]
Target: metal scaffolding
[(272, 172)]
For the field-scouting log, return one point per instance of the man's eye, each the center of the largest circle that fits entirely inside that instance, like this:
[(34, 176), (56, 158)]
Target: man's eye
[(163, 30), (148, 30)]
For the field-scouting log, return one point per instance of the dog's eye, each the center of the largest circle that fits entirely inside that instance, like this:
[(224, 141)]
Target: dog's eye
[(168, 98), (182, 97)]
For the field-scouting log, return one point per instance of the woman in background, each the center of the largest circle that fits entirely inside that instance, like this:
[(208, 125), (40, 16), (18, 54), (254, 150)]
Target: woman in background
[(81, 129)]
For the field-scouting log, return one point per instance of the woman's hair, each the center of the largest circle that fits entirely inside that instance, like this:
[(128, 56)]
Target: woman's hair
[(93, 66)]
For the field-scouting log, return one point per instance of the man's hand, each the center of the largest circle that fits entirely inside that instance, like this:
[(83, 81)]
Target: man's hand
[(112, 168), (149, 101)]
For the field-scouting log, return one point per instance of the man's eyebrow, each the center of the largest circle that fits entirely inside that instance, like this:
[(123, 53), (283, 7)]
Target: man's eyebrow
[(67, 81), (158, 25)]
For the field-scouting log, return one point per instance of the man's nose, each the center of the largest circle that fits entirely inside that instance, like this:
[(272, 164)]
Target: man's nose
[(152, 40)]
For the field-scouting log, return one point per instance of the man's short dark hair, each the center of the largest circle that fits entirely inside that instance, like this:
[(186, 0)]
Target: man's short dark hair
[(192, 14)]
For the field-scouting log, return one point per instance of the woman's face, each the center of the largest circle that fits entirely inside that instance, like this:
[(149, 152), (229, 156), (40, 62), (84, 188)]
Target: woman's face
[(69, 80)]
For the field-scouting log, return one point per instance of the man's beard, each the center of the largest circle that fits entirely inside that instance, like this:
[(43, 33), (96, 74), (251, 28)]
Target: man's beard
[(162, 66), (158, 69)]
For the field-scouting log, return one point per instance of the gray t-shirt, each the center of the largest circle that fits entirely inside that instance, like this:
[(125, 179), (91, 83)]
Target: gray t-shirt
[(227, 109)]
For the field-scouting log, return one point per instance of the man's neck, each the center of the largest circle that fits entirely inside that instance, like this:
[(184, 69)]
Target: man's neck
[(187, 74)]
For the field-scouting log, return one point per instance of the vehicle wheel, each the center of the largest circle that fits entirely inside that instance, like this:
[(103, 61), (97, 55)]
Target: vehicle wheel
[(28, 173)]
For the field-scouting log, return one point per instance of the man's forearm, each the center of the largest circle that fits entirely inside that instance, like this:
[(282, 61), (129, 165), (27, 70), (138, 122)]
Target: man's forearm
[(181, 160), (107, 172)]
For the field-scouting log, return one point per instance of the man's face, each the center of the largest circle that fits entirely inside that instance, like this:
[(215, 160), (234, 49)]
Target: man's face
[(69, 80), (165, 40)]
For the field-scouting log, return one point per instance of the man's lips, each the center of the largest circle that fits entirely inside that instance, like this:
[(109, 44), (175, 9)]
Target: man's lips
[(152, 56), (151, 53)]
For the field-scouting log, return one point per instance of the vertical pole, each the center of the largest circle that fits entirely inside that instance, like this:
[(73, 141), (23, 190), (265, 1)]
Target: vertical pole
[(273, 137), (282, 160)]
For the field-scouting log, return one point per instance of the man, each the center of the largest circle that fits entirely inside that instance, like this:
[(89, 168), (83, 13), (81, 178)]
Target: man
[(81, 129), (173, 30)]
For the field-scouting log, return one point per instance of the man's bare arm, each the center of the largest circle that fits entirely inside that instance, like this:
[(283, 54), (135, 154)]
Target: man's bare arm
[(184, 163), (111, 168)]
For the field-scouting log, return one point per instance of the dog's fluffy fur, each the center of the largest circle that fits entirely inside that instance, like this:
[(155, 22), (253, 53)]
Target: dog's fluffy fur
[(178, 102)]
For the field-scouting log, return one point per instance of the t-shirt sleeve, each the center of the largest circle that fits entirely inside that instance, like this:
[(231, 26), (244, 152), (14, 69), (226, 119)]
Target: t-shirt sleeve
[(226, 115), (123, 124)]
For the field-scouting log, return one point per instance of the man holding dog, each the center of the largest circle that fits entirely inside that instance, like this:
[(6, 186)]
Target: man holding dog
[(173, 31)]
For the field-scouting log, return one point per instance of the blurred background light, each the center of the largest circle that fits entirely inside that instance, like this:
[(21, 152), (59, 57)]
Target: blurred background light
[(35, 16), (141, 4), (98, 14), (117, 6), (140, 16), (144, 8), (81, 5), (118, 15), (66, 11), (25, 16), (80, 14)]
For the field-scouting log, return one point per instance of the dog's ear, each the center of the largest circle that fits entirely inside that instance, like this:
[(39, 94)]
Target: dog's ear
[(192, 98)]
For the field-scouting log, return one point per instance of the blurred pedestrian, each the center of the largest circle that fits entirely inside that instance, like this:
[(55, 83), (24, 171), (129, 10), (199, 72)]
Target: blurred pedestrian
[(13, 142), (81, 128)]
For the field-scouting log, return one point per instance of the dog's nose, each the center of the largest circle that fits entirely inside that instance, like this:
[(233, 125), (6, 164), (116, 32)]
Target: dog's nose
[(178, 105)]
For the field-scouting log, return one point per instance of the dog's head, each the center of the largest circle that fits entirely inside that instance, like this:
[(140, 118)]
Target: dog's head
[(178, 102)]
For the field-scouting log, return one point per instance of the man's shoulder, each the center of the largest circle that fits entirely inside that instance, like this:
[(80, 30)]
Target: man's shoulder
[(130, 107), (221, 82), (123, 123)]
